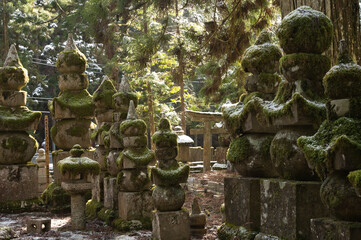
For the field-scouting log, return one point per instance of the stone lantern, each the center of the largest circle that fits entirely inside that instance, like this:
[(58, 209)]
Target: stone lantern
[(184, 142)]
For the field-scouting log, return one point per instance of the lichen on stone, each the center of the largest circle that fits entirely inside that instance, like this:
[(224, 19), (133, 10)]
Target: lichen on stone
[(228, 231), (71, 61), (355, 178), (13, 78)]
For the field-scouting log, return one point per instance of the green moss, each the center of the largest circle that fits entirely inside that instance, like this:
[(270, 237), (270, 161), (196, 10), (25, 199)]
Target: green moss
[(79, 129), (305, 30), (164, 125), (165, 137), (134, 123), (171, 177), (92, 207), (246, 97), (78, 165), (355, 178), (239, 150), (13, 78), (72, 61), (267, 82), (284, 92), (29, 205), (104, 93), (229, 231), (99, 131), (107, 215), (17, 118), (123, 98), (261, 58), (126, 226), (319, 149), (80, 103), (15, 144), (56, 198), (343, 81), (141, 157), (305, 62)]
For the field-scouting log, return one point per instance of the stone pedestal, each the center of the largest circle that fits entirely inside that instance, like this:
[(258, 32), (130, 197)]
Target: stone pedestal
[(110, 192), (135, 205), (288, 206), (78, 211), (171, 225), (330, 229), (18, 182), (242, 200)]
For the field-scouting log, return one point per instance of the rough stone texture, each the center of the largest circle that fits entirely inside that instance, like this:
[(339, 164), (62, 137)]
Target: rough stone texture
[(330, 229), (195, 154), (183, 153), (134, 180), (288, 206), (73, 81), (98, 186), (112, 166), (242, 201), (220, 154), (171, 225), (78, 211), (100, 155), (40, 225), (135, 205), (18, 182), (106, 116), (168, 198), (76, 187), (13, 98), (110, 192), (262, 236)]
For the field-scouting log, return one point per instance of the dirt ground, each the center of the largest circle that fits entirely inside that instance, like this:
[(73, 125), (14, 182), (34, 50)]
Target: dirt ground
[(210, 203)]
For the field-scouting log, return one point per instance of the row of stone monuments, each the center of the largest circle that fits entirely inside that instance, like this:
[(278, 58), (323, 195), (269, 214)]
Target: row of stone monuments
[(282, 140)]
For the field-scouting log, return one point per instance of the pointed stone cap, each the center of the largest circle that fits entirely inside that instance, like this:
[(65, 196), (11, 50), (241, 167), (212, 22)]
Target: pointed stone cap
[(70, 44), (195, 207), (164, 124), (132, 114), (343, 55), (124, 85), (12, 59)]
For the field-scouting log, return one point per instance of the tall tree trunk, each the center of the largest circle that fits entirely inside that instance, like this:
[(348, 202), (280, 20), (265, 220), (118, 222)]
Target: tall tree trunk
[(5, 25), (180, 76), (345, 16)]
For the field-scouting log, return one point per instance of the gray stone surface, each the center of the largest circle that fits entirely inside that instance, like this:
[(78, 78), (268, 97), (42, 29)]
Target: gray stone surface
[(288, 206), (135, 205), (100, 155), (106, 116), (73, 81), (330, 229), (112, 166), (38, 225), (242, 201), (171, 225), (98, 186), (13, 98), (18, 182), (110, 192), (78, 212)]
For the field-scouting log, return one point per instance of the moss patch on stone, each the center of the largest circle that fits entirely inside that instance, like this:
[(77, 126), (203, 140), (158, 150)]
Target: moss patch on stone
[(19, 118), (355, 178), (268, 82), (56, 198), (18, 206), (162, 137), (239, 150), (126, 226), (72, 61), (123, 98), (78, 165), (107, 215), (92, 208), (140, 156), (343, 81), (80, 103), (261, 58), (99, 131), (305, 30), (134, 123), (171, 177), (319, 148), (104, 94), (229, 231), (13, 78)]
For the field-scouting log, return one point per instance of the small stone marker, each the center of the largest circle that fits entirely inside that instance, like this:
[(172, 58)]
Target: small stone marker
[(38, 225), (197, 219)]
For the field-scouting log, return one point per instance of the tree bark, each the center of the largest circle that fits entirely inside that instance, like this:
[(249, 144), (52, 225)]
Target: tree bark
[(5, 26), (345, 16)]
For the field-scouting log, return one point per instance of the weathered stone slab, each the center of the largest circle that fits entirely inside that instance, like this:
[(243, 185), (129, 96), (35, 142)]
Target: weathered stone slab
[(288, 206), (13, 98), (18, 182), (73, 81), (112, 166), (262, 236), (171, 225), (98, 186), (104, 116), (330, 229), (100, 155), (134, 180), (242, 201), (135, 205), (110, 192)]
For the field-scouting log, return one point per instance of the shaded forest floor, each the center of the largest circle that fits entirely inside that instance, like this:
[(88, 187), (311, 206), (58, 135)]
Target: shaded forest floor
[(210, 203)]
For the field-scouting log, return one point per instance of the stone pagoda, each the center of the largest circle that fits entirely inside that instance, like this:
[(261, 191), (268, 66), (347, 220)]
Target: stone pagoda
[(134, 197), (103, 101), (334, 152), (169, 220), (265, 132), (18, 176), (73, 109)]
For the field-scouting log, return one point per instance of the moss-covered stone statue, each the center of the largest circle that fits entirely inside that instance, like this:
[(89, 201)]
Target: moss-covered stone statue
[(168, 195), (18, 176), (73, 109), (334, 151), (76, 170)]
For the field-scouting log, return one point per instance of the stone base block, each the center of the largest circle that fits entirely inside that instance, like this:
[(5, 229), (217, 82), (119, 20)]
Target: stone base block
[(98, 186), (288, 206), (135, 205), (110, 193), (330, 229), (242, 201), (18, 182), (13, 98), (40, 225), (171, 225)]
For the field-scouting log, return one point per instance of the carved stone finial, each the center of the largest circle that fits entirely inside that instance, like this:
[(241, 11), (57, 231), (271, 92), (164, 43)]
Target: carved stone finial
[(12, 58), (124, 85), (195, 207), (132, 114), (70, 44)]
